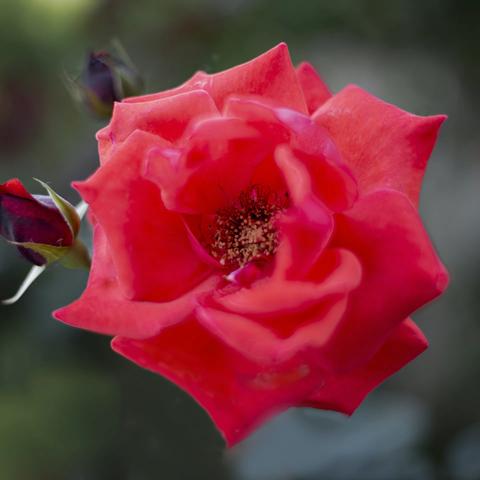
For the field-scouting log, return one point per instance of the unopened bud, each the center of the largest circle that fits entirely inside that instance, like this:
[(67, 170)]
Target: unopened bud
[(107, 77), (44, 228)]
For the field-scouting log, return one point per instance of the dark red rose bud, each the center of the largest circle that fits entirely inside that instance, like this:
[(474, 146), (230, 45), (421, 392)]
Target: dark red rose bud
[(107, 77), (98, 78), (43, 227)]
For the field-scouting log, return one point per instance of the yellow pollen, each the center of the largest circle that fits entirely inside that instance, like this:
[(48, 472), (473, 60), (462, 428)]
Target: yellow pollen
[(246, 230)]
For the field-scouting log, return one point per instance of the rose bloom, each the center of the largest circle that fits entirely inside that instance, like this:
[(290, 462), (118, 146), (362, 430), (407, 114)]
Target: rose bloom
[(257, 240)]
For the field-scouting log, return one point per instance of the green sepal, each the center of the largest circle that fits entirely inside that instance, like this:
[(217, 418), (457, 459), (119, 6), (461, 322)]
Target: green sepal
[(82, 96), (66, 209), (49, 252), (77, 256), (102, 109), (128, 81), (74, 256)]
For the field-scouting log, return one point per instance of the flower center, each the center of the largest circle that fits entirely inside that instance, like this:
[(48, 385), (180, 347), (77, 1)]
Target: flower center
[(246, 230)]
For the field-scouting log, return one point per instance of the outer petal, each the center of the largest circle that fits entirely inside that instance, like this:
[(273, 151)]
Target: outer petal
[(237, 393), (344, 393), (167, 117), (15, 188), (151, 251), (270, 75), (315, 90), (195, 82), (217, 163), (401, 272), (384, 146), (103, 308)]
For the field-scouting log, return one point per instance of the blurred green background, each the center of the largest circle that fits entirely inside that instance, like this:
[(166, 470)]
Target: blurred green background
[(71, 409)]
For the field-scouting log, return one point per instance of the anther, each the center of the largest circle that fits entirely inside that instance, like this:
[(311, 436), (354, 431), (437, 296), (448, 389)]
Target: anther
[(246, 230)]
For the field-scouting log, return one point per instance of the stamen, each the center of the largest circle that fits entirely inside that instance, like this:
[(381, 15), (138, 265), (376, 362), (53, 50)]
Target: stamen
[(246, 230)]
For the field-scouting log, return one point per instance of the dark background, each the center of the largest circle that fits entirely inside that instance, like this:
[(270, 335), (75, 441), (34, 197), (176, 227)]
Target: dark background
[(72, 409)]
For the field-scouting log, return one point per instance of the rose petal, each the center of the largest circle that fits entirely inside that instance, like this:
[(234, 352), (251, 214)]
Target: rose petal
[(384, 146), (236, 393), (195, 82), (261, 344), (270, 75), (306, 227), (103, 308), (15, 188), (345, 392), (295, 174), (401, 272), (331, 179), (167, 117), (271, 296), (315, 90), (151, 250), (210, 173)]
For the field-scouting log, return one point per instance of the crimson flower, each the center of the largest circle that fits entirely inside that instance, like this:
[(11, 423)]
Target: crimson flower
[(257, 240)]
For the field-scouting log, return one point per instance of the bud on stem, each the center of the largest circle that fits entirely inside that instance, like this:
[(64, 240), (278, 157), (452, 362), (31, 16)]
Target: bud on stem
[(44, 228), (107, 77)]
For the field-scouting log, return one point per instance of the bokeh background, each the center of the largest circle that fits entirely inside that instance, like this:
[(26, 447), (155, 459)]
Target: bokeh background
[(70, 409)]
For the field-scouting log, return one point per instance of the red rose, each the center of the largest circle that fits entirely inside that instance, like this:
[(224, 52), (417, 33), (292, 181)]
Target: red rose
[(257, 240)]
